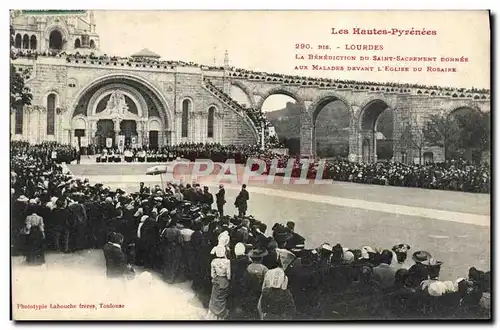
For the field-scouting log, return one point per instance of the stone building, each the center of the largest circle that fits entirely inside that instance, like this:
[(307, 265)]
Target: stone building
[(81, 96)]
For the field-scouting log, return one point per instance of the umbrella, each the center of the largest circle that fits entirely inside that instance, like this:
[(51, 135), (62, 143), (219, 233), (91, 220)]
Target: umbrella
[(157, 170)]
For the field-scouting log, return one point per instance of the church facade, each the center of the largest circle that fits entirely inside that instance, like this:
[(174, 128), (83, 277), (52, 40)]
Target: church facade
[(83, 97)]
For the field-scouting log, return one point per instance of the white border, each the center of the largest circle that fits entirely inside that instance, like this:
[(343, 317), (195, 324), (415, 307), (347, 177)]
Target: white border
[(193, 4)]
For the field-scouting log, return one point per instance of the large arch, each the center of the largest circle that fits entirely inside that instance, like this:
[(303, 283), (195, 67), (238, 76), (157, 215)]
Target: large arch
[(315, 109), (33, 42), (26, 42), (55, 40), (245, 90), (473, 133), (279, 90), (131, 92), (18, 43), (366, 126), (145, 87)]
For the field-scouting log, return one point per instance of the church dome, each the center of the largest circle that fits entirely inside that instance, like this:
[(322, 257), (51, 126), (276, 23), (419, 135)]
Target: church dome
[(146, 53)]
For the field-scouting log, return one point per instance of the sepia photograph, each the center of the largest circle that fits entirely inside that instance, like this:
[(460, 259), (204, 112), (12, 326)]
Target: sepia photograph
[(248, 165)]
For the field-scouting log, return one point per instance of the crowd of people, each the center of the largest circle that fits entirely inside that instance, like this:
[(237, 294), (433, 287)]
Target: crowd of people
[(238, 268), (244, 73)]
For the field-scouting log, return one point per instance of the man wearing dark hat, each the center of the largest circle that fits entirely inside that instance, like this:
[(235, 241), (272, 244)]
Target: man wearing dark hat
[(254, 278), (221, 199), (241, 201)]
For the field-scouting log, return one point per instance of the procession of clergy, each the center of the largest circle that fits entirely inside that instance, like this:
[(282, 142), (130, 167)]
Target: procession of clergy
[(236, 268)]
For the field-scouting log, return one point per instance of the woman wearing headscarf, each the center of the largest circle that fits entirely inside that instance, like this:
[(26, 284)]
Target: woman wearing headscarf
[(238, 285), (220, 269), (276, 301)]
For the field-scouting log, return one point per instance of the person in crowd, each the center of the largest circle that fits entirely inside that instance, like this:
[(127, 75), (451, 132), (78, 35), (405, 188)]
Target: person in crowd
[(207, 198), (239, 265), (276, 302), (35, 236), (254, 277), (116, 262), (221, 199), (177, 232), (384, 274), (221, 277), (241, 201)]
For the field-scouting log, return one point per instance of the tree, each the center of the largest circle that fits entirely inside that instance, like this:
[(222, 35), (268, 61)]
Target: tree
[(441, 131), (463, 134), (20, 94), (474, 134), (413, 137)]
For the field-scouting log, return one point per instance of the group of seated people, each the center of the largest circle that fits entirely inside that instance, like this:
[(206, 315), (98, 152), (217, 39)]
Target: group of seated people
[(237, 269), (455, 175)]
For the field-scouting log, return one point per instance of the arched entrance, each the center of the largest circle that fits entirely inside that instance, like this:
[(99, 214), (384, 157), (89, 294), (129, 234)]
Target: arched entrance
[(55, 40), (369, 132), (283, 111), (120, 107), (331, 118)]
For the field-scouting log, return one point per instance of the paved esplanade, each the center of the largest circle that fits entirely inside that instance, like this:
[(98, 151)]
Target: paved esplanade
[(452, 226)]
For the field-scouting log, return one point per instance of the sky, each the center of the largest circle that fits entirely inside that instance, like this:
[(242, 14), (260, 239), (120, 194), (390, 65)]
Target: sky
[(267, 41)]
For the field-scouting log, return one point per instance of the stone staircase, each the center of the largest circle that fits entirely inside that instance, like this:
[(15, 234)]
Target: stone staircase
[(231, 103)]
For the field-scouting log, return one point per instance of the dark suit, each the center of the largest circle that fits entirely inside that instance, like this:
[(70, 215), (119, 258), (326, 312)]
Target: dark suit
[(116, 262), (221, 200), (241, 202)]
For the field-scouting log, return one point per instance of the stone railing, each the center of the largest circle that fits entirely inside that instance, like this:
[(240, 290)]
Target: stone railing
[(361, 86), (254, 119)]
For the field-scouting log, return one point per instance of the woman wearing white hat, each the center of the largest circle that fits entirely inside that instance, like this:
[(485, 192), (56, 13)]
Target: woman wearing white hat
[(220, 269)]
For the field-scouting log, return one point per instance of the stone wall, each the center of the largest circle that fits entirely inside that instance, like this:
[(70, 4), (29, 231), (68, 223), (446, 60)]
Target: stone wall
[(69, 80)]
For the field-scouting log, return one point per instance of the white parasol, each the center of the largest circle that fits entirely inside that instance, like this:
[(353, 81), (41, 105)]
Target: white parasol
[(157, 170)]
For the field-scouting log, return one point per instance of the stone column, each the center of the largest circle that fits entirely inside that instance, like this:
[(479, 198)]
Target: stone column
[(306, 134), (191, 127), (91, 131)]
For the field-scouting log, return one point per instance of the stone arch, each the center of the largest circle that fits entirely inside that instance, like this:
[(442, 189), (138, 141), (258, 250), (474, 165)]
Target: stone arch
[(277, 91), (186, 108), (79, 122), (365, 140), (92, 44), (26, 42), (324, 99), (455, 108), (154, 124), (18, 42), (131, 92), (78, 44), (212, 110), (315, 109), (95, 102), (167, 112), (61, 30), (245, 90), (52, 99), (363, 120), (33, 42)]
